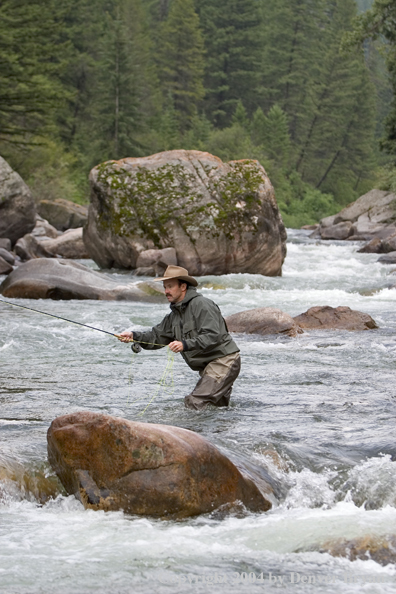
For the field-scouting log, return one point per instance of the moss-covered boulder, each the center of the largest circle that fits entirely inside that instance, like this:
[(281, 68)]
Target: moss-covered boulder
[(220, 217)]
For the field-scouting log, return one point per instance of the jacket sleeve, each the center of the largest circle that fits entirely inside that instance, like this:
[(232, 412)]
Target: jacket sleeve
[(210, 328), (156, 338)]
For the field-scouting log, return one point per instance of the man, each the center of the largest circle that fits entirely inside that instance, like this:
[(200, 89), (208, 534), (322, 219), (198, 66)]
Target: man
[(196, 329)]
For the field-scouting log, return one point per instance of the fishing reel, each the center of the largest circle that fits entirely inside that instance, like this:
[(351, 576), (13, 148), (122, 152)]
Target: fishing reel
[(136, 348)]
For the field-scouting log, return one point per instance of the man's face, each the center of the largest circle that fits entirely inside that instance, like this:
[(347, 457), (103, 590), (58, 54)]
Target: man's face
[(174, 291)]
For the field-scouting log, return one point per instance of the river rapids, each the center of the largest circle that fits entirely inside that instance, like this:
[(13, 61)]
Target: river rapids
[(317, 412)]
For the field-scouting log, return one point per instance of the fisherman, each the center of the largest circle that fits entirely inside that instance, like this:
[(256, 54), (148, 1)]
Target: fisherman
[(196, 329)]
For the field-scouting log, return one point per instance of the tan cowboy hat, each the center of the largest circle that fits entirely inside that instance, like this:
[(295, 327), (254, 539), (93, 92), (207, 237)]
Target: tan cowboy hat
[(179, 273)]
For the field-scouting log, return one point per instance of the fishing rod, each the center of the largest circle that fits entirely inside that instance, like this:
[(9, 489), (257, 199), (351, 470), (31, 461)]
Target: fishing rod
[(135, 346), (58, 317)]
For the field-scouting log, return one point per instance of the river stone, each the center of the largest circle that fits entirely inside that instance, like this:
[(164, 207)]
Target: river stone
[(389, 244), (65, 279), (68, 245), (388, 258), (220, 217), (151, 257), (145, 469), (63, 214), (7, 256), (17, 207), (27, 247), (381, 549), (263, 320), (5, 243), (372, 247), (340, 318), (44, 229), (339, 231), (5, 267), (371, 215)]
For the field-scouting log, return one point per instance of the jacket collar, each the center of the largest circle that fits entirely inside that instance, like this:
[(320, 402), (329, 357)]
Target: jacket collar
[(190, 294)]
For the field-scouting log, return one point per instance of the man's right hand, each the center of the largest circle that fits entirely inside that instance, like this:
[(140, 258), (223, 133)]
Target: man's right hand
[(125, 336)]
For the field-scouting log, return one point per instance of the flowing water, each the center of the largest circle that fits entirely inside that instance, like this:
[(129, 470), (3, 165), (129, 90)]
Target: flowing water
[(317, 412)]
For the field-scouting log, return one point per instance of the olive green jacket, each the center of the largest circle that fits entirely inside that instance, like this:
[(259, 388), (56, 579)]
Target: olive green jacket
[(196, 322)]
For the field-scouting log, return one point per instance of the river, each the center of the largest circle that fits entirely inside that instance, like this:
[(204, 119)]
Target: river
[(323, 403)]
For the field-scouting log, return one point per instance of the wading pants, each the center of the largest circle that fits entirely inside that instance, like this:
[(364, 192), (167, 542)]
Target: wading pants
[(215, 385)]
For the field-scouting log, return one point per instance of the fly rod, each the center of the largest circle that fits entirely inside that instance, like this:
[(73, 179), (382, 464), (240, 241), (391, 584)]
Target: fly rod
[(58, 317)]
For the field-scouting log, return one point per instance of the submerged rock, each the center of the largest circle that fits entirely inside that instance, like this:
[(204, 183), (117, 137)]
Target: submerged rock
[(381, 549), (65, 279), (145, 469), (220, 217), (263, 320), (389, 258), (340, 318), (17, 207)]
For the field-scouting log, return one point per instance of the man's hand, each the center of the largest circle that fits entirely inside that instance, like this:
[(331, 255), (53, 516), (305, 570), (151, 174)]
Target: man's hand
[(125, 336), (176, 346)]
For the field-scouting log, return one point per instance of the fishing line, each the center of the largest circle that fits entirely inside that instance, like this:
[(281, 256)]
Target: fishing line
[(169, 364)]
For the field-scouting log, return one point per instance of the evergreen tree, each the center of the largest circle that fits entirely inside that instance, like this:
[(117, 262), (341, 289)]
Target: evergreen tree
[(29, 90), (181, 60), (233, 42)]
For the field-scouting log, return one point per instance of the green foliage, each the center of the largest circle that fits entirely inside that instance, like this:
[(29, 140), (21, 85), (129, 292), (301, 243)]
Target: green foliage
[(233, 43), (181, 60)]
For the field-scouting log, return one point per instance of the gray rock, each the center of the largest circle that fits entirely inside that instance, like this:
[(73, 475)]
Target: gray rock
[(372, 215), (339, 231), (17, 207), (28, 247), (65, 279), (388, 258), (339, 318), (5, 267), (220, 217), (263, 320), (389, 244), (68, 245), (151, 257), (5, 243), (7, 256), (44, 229), (63, 214)]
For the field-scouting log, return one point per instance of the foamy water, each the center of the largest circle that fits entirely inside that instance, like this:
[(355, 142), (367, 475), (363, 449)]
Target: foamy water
[(322, 403)]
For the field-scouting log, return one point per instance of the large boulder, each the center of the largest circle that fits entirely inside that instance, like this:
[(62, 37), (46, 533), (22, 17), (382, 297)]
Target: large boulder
[(156, 470), (220, 217), (64, 279), (371, 215), (263, 320), (340, 318), (63, 214), (68, 245), (17, 207), (27, 247)]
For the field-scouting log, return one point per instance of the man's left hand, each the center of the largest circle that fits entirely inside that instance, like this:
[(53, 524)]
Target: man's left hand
[(176, 346)]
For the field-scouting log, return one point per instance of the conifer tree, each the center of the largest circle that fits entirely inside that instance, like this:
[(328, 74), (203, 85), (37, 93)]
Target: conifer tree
[(233, 42), (181, 60)]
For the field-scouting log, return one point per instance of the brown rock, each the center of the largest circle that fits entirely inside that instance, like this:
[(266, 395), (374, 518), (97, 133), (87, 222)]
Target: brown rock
[(156, 470), (372, 247), (5, 243), (220, 217), (63, 214), (44, 229), (382, 549), (152, 257), (65, 279), (389, 244), (68, 245), (340, 318), (263, 320)]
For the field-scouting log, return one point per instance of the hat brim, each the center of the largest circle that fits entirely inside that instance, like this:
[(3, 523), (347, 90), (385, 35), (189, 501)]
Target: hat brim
[(187, 279)]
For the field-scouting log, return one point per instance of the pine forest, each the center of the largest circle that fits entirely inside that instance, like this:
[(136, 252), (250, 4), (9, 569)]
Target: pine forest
[(305, 86)]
